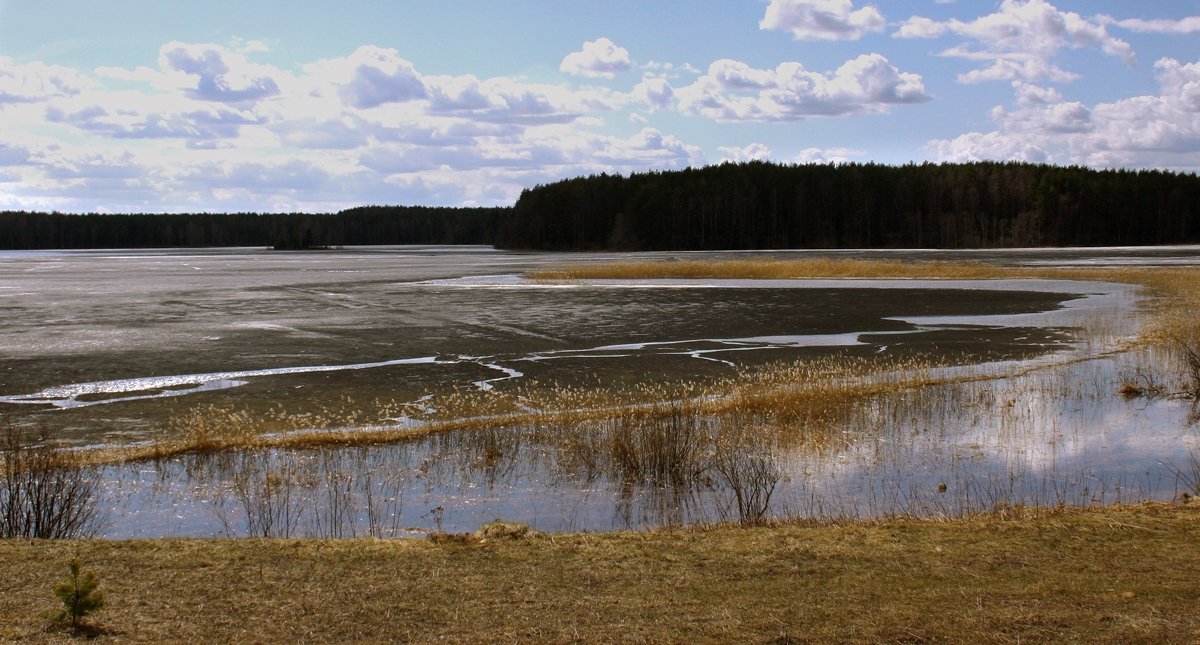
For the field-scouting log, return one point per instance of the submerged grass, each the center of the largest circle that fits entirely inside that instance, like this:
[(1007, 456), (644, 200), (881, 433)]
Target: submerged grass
[(1111, 575)]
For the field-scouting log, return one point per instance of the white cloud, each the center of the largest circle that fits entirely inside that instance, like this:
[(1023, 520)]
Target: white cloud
[(1029, 94), (656, 93), (205, 128), (133, 115), (1016, 67), (216, 74), (1020, 39), (1159, 131), (921, 27), (822, 19), (370, 77), (669, 70), (734, 91), (31, 82), (1189, 25), (990, 146), (827, 155), (600, 58), (750, 152)]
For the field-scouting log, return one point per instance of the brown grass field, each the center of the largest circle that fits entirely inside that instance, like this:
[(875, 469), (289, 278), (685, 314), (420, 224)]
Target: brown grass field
[(1112, 575)]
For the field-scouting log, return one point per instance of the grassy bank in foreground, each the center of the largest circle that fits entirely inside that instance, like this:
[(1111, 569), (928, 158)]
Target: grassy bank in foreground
[(1116, 574)]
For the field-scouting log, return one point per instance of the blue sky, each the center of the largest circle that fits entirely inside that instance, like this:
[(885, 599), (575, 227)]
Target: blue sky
[(138, 106)]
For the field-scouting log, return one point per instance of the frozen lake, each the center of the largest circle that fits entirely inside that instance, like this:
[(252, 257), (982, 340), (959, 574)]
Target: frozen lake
[(104, 346), (109, 347)]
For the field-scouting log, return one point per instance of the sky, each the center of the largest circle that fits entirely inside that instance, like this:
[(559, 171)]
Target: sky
[(230, 106)]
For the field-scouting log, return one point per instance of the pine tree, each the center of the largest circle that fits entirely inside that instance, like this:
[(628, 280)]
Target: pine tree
[(79, 594)]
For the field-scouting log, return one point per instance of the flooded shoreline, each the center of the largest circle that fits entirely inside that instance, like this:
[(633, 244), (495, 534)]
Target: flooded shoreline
[(1012, 399), (1055, 435), (109, 347)]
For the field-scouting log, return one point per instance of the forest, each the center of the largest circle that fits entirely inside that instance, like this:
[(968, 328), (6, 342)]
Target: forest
[(356, 226), (729, 206), (761, 205)]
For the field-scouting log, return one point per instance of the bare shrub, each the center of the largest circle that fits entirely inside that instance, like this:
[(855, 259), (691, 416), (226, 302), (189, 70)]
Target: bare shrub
[(265, 490), (750, 472), (1187, 475), (1191, 364), (45, 492)]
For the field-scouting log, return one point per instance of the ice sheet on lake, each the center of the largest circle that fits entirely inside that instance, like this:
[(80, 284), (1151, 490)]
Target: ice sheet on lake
[(68, 396), (1092, 296)]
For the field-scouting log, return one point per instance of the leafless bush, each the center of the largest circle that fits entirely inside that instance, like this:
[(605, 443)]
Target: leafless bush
[(1191, 363), (265, 490), (45, 492), (356, 498), (1187, 475), (750, 472)]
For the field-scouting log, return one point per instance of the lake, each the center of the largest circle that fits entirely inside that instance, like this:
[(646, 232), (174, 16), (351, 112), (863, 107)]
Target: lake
[(113, 347)]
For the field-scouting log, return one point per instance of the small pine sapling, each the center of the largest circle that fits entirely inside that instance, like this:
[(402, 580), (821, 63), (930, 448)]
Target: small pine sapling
[(79, 594)]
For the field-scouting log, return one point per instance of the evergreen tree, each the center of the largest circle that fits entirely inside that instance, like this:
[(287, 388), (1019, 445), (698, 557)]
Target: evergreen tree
[(79, 594)]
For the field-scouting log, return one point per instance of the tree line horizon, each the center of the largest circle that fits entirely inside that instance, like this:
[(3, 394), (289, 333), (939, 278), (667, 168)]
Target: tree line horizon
[(753, 205)]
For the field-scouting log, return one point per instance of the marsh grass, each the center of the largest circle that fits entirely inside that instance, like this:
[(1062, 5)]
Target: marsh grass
[(765, 269)]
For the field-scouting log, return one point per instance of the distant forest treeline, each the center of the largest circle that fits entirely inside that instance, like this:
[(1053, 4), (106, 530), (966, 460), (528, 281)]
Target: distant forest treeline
[(764, 205), (730, 206), (357, 226)]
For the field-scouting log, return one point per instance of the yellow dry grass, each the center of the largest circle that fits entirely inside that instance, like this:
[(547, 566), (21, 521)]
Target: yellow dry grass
[(1111, 575), (763, 269)]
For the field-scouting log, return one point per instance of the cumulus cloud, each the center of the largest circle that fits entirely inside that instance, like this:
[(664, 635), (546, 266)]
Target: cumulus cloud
[(600, 58), (656, 93), (990, 146), (1161, 130), (33, 82), (370, 77), (734, 91), (827, 155), (219, 75), (206, 127), (751, 152), (1029, 94), (822, 19), (1020, 39)]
